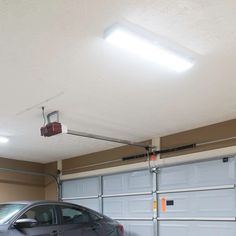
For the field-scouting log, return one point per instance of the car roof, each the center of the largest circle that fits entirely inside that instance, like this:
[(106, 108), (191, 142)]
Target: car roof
[(36, 202), (17, 202)]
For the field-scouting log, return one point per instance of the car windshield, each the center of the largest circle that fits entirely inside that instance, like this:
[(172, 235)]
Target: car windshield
[(7, 211)]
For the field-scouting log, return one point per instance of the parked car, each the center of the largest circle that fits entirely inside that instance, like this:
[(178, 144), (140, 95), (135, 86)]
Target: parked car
[(49, 218)]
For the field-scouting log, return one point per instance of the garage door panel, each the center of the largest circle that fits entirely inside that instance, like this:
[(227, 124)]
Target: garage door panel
[(81, 187), (90, 203), (181, 205), (216, 229), (128, 207), (174, 228), (217, 203), (133, 182), (209, 173), (197, 228), (138, 228)]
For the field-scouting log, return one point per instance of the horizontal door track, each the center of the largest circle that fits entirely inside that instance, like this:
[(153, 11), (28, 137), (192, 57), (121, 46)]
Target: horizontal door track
[(81, 198), (210, 188), (126, 194), (228, 219)]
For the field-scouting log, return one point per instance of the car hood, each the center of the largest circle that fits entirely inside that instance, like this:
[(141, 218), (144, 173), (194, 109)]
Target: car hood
[(3, 228)]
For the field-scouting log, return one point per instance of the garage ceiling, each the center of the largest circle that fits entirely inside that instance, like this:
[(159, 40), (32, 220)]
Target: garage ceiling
[(54, 50)]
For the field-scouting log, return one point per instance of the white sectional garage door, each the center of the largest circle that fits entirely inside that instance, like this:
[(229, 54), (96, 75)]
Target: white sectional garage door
[(185, 200), (86, 192), (198, 199), (128, 197)]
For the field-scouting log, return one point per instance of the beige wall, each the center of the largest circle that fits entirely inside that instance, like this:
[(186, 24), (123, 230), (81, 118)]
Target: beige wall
[(216, 133), (15, 187), (103, 159), (20, 186), (50, 191), (17, 192)]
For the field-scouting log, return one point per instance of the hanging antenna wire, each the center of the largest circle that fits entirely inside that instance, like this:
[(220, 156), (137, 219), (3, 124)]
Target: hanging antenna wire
[(44, 118)]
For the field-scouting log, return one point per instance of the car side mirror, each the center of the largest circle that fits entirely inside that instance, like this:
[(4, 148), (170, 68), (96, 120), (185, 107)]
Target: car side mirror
[(25, 223)]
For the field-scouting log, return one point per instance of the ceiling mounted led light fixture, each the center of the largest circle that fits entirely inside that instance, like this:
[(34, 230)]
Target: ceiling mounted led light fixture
[(150, 48), (3, 139)]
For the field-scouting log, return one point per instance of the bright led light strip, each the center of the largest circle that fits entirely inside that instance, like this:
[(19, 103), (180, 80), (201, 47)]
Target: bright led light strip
[(3, 140), (125, 39)]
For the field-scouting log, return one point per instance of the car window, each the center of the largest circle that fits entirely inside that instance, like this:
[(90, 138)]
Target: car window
[(73, 215), (7, 211), (95, 217), (44, 215)]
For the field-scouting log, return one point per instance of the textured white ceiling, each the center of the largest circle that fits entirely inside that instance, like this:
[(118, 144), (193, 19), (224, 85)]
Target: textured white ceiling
[(55, 49)]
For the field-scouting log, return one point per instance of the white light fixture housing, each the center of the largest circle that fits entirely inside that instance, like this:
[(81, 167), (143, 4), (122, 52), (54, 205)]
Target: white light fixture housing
[(152, 49), (3, 140)]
